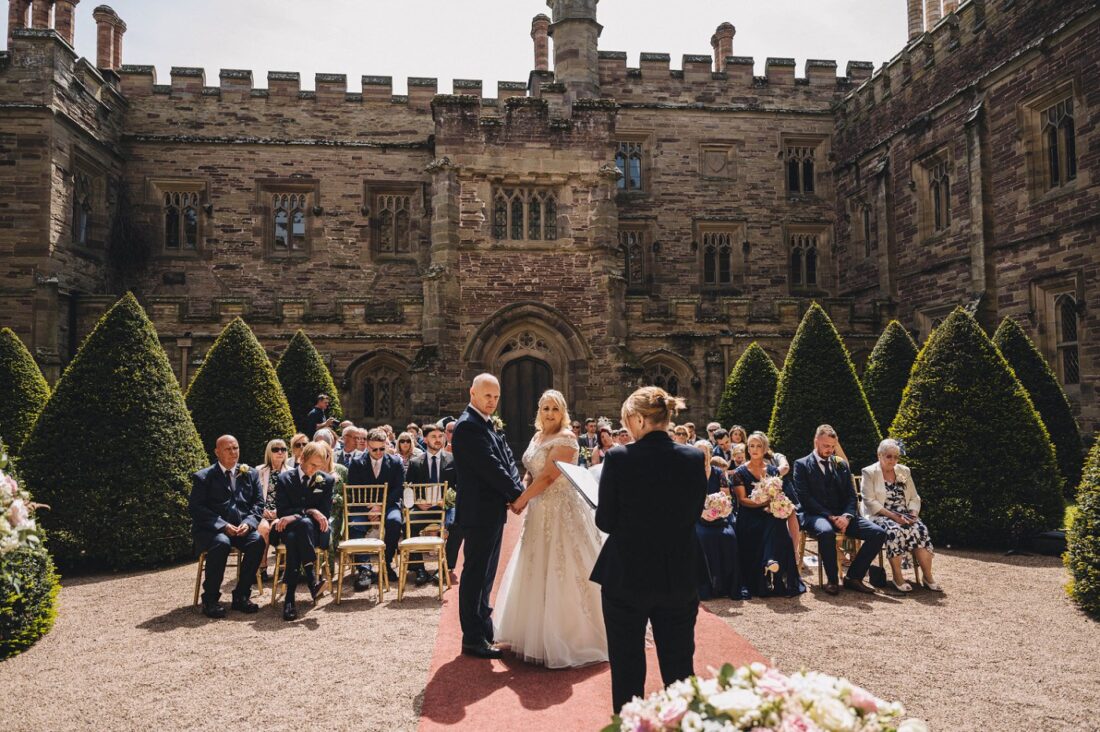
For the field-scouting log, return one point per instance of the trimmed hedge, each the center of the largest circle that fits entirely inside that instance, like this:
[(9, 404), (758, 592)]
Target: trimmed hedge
[(887, 372), (1083, 537), (23, 391), (28, 599), (818, 385), (303, 376), (236, 392), (113, 451), (749, 395), (982, 459), (1049, 399)]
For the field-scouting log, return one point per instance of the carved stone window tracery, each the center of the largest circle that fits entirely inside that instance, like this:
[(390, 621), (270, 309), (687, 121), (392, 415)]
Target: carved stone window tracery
[(524, 213)]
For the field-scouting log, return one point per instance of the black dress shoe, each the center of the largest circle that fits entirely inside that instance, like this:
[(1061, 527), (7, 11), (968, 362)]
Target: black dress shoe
[(858, 586), (315, 589), (362, 580), (484, 650), (421, 578), (290, 612), (391, 575), (832, 589), (213, 610), (244, 605)]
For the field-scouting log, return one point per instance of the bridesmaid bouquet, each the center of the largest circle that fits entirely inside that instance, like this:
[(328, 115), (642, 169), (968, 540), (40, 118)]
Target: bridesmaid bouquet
[(17, 526), (718, 506), (759, 698), (770, 489)]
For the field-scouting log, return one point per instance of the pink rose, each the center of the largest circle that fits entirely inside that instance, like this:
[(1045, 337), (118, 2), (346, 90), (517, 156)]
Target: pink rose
[(863, 701), (773, 683), (673, 712), (796, 722), (18, 514)]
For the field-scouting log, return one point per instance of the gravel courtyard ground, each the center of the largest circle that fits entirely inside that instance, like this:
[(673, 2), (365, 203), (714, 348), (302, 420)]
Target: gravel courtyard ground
[(1003, 649)]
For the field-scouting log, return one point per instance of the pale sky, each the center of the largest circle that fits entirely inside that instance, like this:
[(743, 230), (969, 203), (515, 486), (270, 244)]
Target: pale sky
[(474, 39)]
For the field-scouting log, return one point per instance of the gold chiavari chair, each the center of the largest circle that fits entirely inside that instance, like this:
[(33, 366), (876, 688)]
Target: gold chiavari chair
[(278, 586), (235, 556), (432, 537), (367, 505), (846, 546)]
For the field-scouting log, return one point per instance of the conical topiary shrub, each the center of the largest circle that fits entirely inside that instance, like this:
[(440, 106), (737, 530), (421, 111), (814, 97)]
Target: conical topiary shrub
[(1083, 538), (303, 376), (887, 373), (749, 396), (113, 451), (236, 392), (23, 391), (818, 385), (1047, 395), (980, 455)]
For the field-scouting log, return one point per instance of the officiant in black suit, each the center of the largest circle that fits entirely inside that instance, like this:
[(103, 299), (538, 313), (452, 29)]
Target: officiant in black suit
[(226, 504), (490, 482), (436, 465), (652, 493), (823, 483)]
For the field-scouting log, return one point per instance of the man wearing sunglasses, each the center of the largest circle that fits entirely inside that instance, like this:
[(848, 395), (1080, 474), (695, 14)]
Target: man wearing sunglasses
[(375, 467)]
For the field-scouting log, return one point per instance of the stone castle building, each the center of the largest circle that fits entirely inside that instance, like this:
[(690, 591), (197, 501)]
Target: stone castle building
[(593, 227)]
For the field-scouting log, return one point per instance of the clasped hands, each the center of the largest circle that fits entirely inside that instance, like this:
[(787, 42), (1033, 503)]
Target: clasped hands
[(840, 522), (242, 529), (317, 516), (517, 506)]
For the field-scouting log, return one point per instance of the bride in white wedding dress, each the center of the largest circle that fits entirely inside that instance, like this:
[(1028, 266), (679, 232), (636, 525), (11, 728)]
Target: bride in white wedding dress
[(547, 609)]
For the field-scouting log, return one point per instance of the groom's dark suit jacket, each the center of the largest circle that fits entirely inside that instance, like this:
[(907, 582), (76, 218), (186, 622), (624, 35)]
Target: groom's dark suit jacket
[(214, 504), (486, 471), (651, 495)]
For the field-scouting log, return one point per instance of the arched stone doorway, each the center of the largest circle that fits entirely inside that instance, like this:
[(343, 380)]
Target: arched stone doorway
[(522, 382)]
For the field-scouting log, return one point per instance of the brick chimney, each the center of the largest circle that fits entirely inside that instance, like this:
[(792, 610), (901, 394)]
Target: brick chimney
[(932, 13), (722, 42), (17, 16), (63, 16), (950, 6), (116, 57), (40, 13), (576, 47), (916, 18), (540, 34), (105, 36)]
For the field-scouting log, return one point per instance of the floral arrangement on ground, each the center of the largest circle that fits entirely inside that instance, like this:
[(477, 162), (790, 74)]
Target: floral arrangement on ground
[(756, 697)]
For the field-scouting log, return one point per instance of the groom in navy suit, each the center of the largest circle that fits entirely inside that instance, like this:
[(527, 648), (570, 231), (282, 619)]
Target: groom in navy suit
[(823, 483), (490, 483)]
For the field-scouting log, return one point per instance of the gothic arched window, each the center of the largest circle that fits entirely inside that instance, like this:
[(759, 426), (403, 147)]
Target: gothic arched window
[(1065, 311), (521, 213), (1060, 140), (82, 210), (628, 159), (662, 375)]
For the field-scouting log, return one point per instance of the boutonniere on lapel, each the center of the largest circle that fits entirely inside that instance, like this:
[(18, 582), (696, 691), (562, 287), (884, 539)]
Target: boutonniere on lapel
[(317, 482), (837, 462), (243, 469), (497, 422)]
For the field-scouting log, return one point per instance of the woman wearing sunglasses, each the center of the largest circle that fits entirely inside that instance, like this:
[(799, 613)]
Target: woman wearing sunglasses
[(275, 463), (297, 444), (407, 449)]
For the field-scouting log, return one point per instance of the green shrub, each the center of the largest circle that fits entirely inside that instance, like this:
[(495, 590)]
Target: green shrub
[(236, 392), (28, 598), (1083, 538), (887, 373), (749, 396), (113, 451), (303, 376), (818, 385), (1049, 399), (23, 391), (980, 455)]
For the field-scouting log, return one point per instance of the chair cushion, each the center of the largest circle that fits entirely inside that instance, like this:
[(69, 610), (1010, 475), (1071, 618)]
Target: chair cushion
[(421, 541), (362, 544)]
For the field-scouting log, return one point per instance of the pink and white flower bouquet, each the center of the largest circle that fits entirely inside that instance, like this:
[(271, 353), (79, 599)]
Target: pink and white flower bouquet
[(759, 698), (770, 489), (718, 506), (17, 526)]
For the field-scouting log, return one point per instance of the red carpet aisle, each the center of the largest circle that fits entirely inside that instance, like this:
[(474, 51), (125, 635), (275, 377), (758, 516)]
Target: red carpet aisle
[(470, 693)]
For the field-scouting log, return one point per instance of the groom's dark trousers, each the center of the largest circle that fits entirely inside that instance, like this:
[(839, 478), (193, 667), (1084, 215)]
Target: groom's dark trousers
[(651, 495), (490, 481)]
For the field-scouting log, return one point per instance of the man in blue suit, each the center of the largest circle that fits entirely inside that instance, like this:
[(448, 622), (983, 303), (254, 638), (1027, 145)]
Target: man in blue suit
[(375, 467), (490, 483), (823, 483), (303, 502), (226, 504)]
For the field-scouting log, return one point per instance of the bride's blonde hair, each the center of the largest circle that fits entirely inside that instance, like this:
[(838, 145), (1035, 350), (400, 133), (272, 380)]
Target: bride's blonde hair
[(553, 395)]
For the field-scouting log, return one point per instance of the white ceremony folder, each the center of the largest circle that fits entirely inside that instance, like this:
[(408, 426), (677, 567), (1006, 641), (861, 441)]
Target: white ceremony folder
[(582, 480)]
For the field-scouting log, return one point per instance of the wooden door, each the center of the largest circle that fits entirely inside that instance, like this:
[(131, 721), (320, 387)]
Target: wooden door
[(521, 384)]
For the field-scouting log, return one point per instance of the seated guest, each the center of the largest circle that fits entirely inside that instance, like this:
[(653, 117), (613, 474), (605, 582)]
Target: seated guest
[(225, 505), (719, 565), (349, 443), (274, 465), (890, 500), (737, 452), (768, 564), (604, 442), (435, 465), (407, 449), (680, 435), (326, 436), (722, 445), (823, 483), (448, 434), (297, 442), (622, 437), (712, 427), (303, 503), (738, 436), (376, 467), (690, 427), (318, 416), (417, 434)]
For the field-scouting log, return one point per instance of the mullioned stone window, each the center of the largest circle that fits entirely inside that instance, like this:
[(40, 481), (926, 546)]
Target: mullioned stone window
[(288, 212), (723, 255), (524, 214), (179, 209), (932, 179), (1060, 143), (1069, 363), (1051, 137), (634, 245), (804, 260), (629, 159), (82, 209)]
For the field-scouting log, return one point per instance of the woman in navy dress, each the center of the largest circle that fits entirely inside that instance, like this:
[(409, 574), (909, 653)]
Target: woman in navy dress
[(768, 565), (719, 566)]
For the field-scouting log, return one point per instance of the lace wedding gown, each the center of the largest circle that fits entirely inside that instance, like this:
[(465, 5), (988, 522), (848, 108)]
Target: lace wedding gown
[(548, 611)]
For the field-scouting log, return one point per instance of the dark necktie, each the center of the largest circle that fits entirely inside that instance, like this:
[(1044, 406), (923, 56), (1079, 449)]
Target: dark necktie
[(229, 479), (434, 473)]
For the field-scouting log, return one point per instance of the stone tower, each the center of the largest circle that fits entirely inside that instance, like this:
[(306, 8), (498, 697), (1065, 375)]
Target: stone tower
[(576, 37)]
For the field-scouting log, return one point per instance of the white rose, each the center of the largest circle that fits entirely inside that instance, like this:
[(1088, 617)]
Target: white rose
[(691, 722), (913, 725), (736, 702), (831, 714), (708, 688)]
